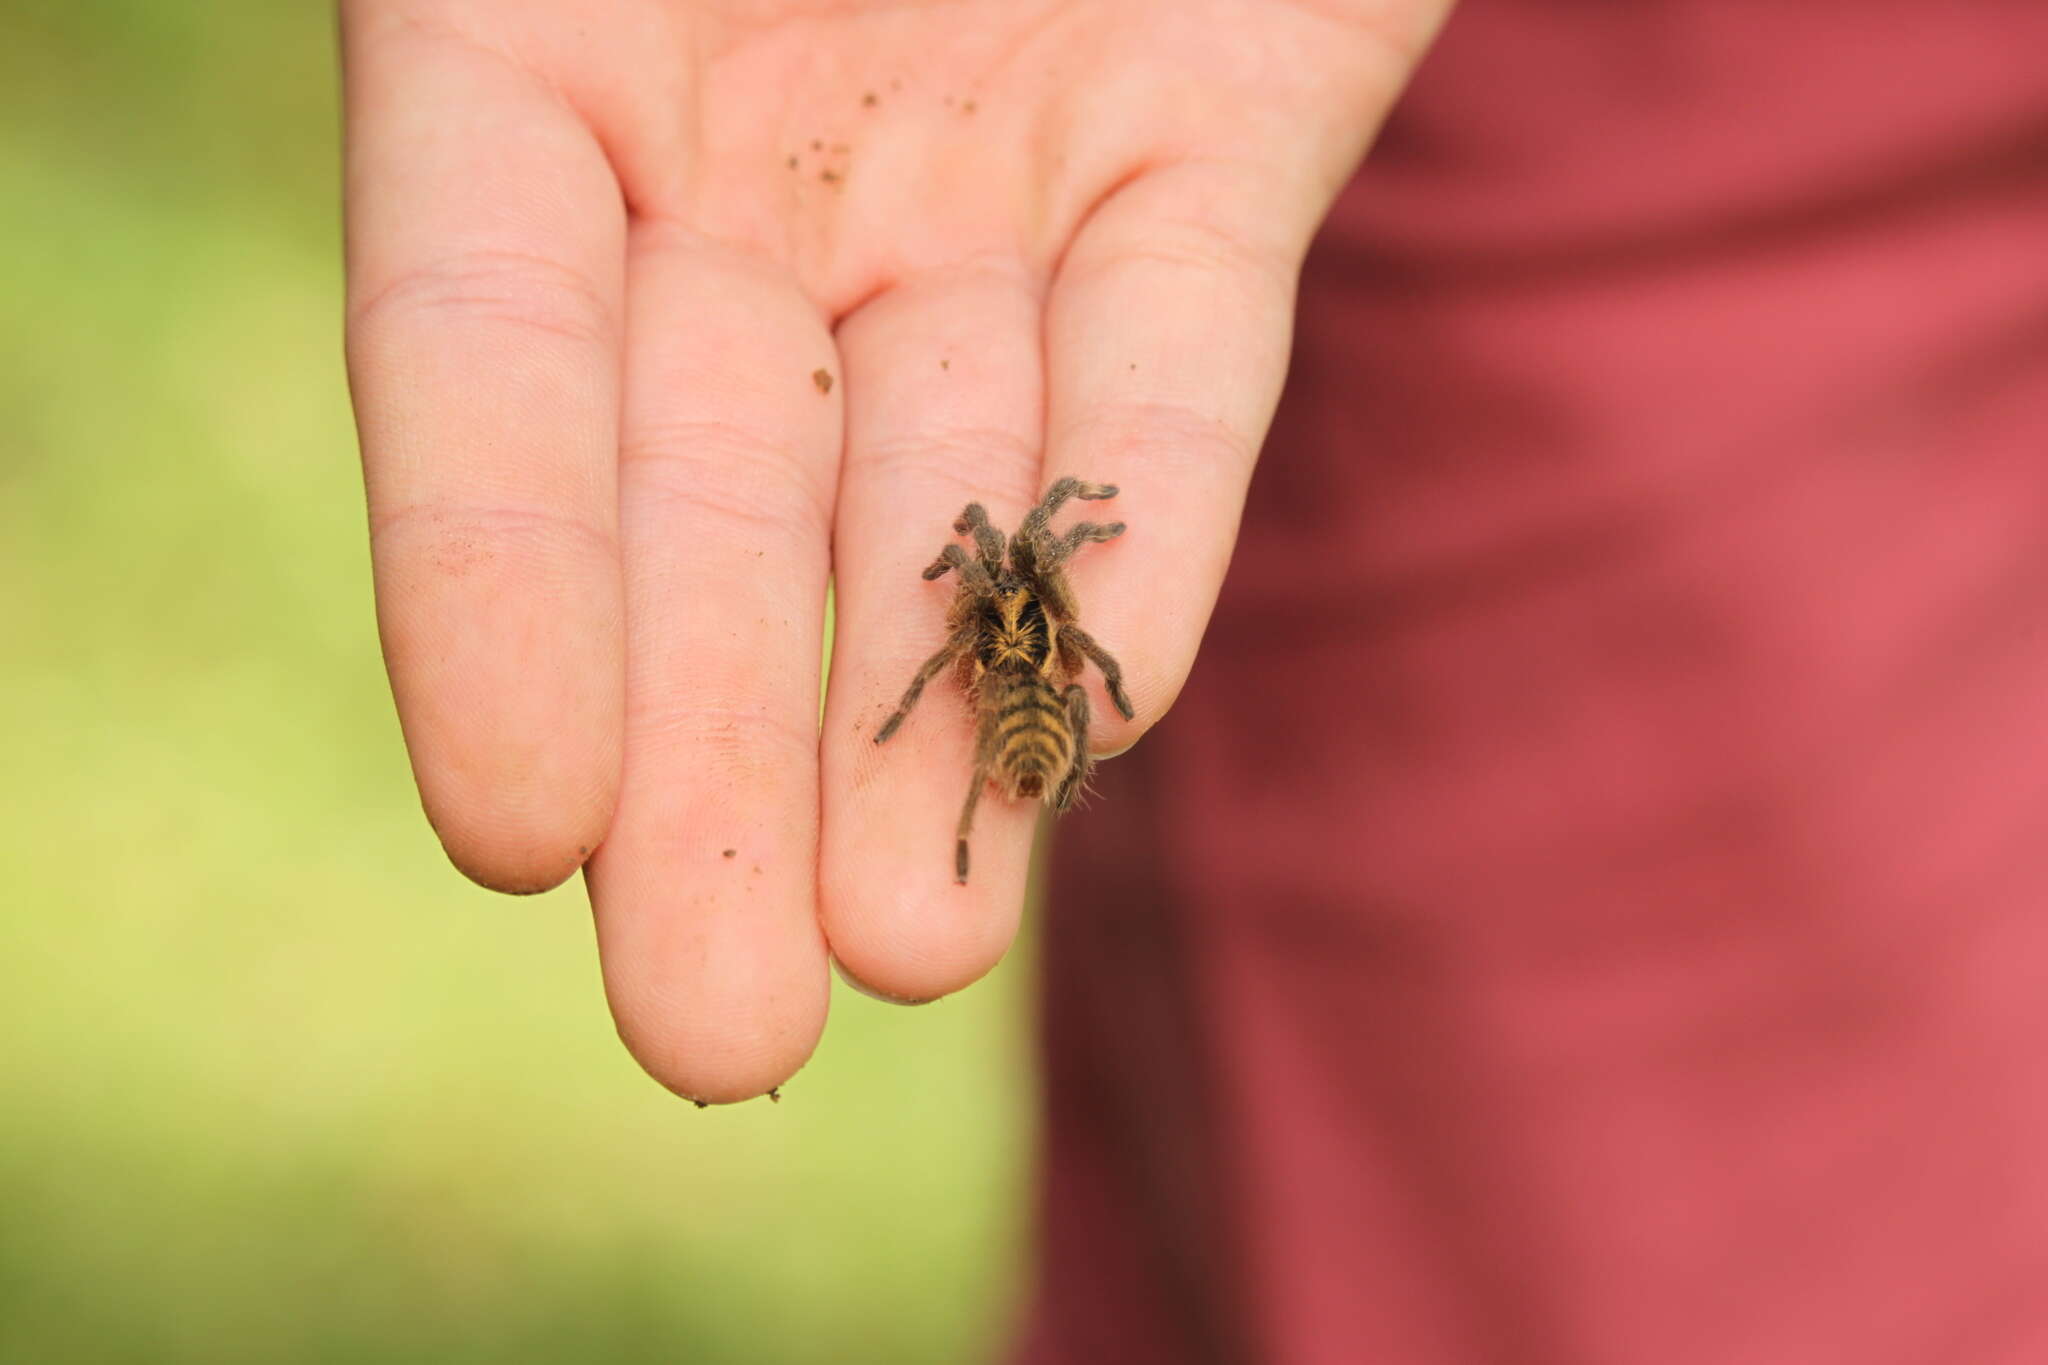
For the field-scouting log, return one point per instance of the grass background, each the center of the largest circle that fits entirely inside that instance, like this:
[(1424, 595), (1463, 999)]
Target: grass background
[(275, 1083)]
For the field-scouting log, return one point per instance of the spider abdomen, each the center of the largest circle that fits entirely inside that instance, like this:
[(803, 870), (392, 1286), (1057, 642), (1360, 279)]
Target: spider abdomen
[(1034, 740)]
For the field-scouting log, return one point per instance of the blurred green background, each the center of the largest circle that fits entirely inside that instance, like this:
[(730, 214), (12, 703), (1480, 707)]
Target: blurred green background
[(275, 1083)]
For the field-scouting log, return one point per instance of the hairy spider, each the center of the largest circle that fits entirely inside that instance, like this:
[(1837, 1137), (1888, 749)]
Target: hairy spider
[(1018, 649)]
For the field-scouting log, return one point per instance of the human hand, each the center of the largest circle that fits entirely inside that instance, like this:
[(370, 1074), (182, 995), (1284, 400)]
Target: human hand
[(597, 255)]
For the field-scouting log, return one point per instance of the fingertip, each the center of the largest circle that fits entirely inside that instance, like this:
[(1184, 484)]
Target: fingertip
[(515, 866), (860, 987), (725, 1040), (924, 938), (714, 964), (502, 636), (514, 823), (518, 817)]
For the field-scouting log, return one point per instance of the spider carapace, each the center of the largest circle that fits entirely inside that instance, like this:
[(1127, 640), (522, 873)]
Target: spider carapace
[(1018, 648)]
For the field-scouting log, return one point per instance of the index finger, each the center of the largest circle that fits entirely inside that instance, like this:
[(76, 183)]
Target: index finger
[(485, 249)]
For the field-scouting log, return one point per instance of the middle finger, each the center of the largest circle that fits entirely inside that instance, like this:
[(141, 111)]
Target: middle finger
[(705, 890)]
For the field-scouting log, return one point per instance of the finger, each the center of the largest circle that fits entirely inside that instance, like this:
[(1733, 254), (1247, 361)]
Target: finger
[(943, 408), (484, 243), (1167, 336), (706, 890)]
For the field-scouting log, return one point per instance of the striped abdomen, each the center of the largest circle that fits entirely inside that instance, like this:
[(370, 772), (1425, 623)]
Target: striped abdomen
[(1034, 743)]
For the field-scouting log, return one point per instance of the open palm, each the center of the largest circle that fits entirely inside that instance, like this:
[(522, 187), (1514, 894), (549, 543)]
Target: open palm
[(661, 313)]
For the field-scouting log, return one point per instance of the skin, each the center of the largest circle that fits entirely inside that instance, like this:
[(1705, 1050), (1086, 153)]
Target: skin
[(587, 296)]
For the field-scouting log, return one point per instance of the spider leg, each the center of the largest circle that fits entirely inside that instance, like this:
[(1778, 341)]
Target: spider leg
[(1057, 595), (1055, 552), (1057, 495), (1026, 544), (1074, 639), (966, 826), (971, 571), (988, 541), (1076, 697), (931, 668)]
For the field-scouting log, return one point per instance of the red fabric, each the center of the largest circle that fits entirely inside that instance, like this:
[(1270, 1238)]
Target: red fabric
[(1590, 905)]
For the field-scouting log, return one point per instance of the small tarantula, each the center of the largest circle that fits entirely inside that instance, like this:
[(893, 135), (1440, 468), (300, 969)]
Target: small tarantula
[(1018, 650)]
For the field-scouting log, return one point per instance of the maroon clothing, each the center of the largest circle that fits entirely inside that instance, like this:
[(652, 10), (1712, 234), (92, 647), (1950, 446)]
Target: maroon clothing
[(1590, 905)]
